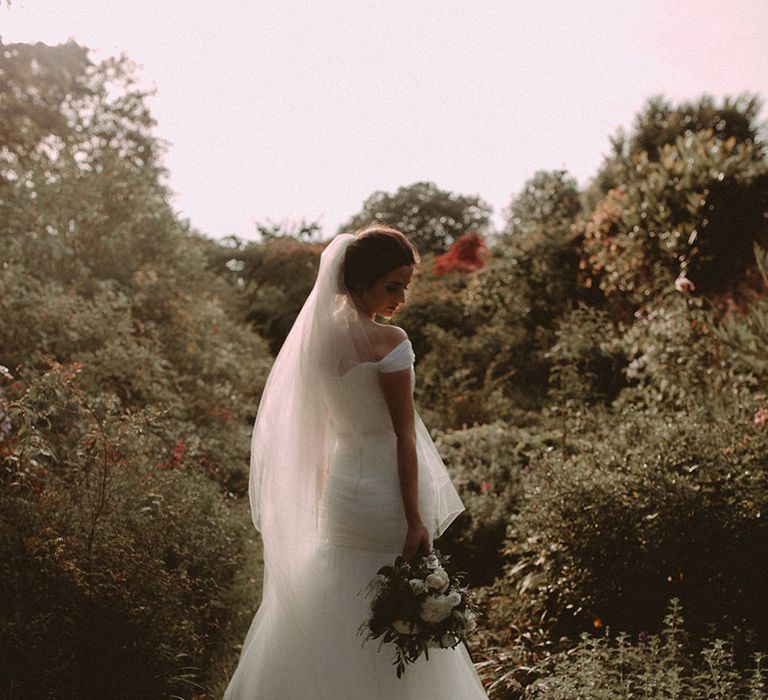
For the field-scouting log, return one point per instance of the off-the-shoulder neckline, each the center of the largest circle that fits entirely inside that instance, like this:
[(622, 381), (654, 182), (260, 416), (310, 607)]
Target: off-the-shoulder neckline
[(404, 340), (376, 363)]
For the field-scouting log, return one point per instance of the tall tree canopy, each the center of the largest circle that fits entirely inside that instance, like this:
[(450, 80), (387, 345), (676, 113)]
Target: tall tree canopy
[(432, 218), (685, 194), (543, 210), (660, 123)]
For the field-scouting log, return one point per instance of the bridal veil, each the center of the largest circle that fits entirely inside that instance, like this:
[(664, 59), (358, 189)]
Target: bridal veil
[(294, 432)]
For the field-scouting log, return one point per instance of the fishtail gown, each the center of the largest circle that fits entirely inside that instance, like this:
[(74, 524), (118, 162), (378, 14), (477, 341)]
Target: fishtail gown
[(318, 653)]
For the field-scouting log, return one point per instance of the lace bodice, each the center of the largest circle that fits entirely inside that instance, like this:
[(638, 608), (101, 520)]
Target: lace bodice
[(356, 401)]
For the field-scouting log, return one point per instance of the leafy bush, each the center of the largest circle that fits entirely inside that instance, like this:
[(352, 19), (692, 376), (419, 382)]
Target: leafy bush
[(747, 333), (588, 359), (433, 300), (113, 559), (459, 383), (695, 209), (651, 507), (269, 280), (486, 464), (492, 364), (674, 358)]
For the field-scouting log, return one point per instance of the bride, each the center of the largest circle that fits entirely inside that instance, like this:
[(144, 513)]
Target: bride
[(344, 477)]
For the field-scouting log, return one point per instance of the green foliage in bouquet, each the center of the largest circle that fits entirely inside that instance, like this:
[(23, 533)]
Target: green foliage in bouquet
[(419, 606)]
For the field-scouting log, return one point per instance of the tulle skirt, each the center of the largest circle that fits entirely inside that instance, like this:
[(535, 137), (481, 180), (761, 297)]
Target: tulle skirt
[(317, 652)]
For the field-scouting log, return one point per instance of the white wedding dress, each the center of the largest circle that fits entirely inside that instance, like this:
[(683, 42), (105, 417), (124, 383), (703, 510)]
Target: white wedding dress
[(311, 649)]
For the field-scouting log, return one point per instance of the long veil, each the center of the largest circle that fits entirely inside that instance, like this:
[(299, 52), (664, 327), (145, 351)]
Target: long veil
[(294, 434)]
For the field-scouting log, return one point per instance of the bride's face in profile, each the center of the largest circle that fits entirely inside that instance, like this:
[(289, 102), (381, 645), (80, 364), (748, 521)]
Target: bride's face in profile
[(387, 294)]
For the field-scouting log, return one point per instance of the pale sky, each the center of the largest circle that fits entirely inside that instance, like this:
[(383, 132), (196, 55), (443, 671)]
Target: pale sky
[(283, 109)]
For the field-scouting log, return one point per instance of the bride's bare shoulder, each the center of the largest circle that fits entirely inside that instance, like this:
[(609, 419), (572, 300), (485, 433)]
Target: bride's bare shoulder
[(387, 338)]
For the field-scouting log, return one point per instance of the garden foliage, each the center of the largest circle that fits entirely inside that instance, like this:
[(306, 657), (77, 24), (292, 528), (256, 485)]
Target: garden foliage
[(656, 505), (125, 400), (657, 667), (596, 375)]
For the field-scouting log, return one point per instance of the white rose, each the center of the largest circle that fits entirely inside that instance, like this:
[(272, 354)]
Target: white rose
[(403, 627), (438, 580), (454, 598), (433, 562), (417, 585), (435, 609)]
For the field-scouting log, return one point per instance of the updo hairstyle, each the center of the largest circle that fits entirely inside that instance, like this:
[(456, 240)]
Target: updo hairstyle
[(377, 251)]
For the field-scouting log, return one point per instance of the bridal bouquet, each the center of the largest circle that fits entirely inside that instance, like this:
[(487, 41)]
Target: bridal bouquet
[(419, 607)]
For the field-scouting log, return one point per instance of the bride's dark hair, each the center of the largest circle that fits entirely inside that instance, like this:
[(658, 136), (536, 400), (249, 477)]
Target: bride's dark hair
[(377, 250)]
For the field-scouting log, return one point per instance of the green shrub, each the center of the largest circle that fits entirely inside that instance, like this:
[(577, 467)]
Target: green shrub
[(113, 559), (747, 334), (486, 464), (458, 381), (135, 389), (657, 506), (588, 359), (493, 364), (433, 300), (695, 210), (675, 359), (268, 280)]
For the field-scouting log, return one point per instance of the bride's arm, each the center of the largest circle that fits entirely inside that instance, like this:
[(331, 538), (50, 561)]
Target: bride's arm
[(398, 393)]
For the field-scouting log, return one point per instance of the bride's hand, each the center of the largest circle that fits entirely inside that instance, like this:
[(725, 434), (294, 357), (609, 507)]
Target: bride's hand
[(417, 541)]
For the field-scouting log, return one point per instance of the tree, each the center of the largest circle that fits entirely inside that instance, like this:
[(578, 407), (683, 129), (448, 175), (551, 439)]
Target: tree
[(431, 218), (661, 123), (543, 211), (696, 211), (270, 279), (683, 195), (79, 170), (126, 408)]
